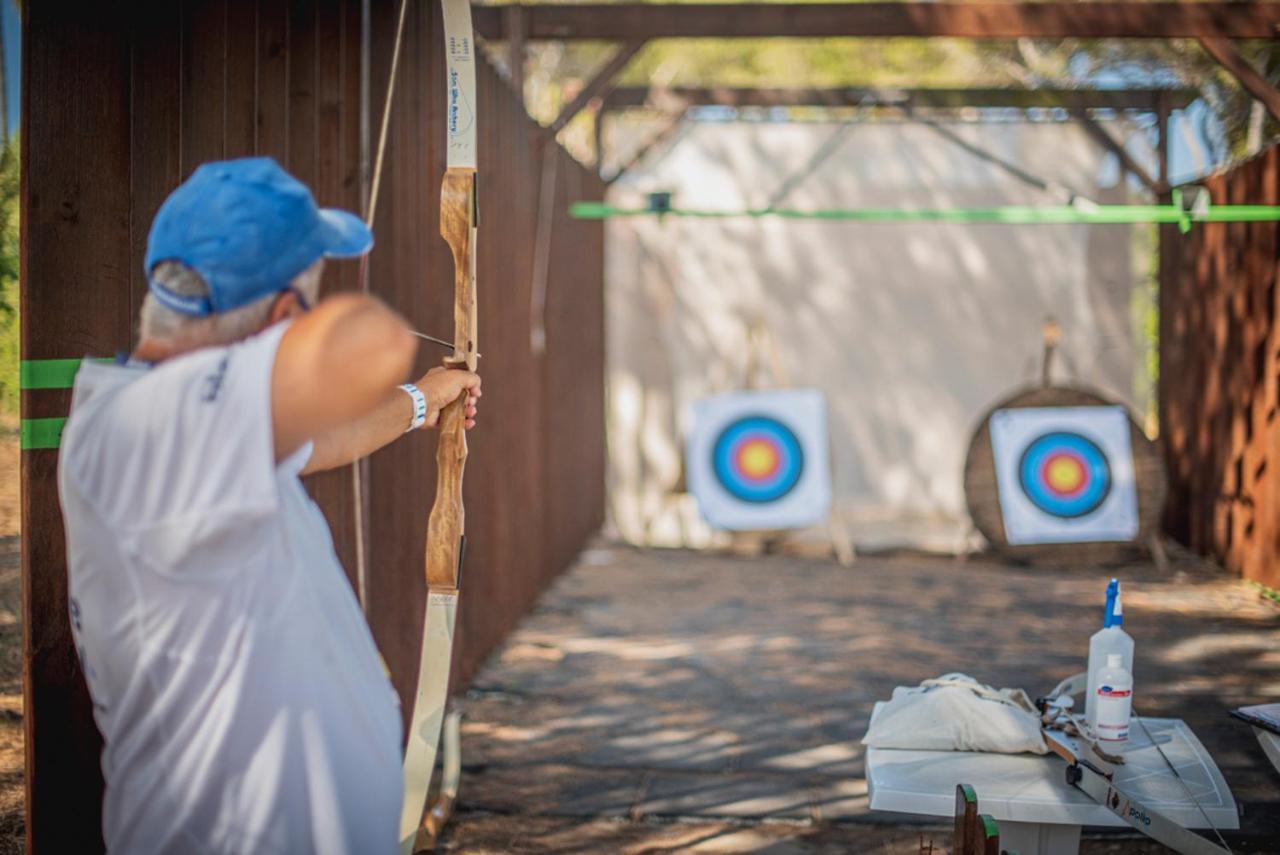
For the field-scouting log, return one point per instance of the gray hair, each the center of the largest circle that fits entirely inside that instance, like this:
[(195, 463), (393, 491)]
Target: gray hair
[(159, 322)]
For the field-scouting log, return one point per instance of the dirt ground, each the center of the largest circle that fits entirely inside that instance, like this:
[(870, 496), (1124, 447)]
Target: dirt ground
[(11, 758), (675, 702), (663, 701)]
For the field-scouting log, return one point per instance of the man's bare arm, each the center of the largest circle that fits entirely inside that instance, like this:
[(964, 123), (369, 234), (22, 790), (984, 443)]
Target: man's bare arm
[(388, 422), (335, 366)]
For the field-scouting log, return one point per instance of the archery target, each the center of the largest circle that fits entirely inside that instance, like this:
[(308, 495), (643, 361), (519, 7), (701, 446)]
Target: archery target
[(1065, 474), (758, 460)]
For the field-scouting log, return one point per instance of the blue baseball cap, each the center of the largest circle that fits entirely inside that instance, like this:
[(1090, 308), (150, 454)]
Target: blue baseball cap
[(248, 228)]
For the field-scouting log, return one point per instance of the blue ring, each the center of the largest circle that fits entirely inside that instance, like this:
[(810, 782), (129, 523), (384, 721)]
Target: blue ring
[(1098, 470), (790, 467)]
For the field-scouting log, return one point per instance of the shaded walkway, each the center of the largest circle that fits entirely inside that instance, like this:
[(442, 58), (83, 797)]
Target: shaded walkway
[(654, 690)]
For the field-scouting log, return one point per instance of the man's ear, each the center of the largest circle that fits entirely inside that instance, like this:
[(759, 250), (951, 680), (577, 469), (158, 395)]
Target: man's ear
[(285, 306)]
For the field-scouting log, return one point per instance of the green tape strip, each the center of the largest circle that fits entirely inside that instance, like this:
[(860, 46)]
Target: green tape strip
[(989, 826), (49, 373), (1010, 215), (42, 433)]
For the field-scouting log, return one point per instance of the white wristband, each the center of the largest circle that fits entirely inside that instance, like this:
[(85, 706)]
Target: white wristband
[(419, 407)]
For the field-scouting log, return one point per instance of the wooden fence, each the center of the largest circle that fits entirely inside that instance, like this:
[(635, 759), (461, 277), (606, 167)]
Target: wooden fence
[(1219, 373), (120, 103)]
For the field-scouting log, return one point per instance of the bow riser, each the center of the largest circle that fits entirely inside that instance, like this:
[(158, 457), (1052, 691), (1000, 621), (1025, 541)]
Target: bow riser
[(458, 221), (446, 527)]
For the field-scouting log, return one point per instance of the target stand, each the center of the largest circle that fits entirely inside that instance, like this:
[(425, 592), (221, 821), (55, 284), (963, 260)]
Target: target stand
[(1058, 474)]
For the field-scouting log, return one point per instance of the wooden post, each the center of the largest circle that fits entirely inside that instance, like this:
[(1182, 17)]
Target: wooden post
[(598, 133), (513, 22), (1051, 333), (986, 837), (1163, 111), (966, 820)]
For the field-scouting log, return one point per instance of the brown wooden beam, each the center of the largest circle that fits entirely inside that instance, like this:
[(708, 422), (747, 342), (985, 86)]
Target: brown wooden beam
[(597, 86), (1126, 19), (624, 97), (663, 134), (1229, 57), (1163, 109), (597, 134), (514, 29), (1111, 144)]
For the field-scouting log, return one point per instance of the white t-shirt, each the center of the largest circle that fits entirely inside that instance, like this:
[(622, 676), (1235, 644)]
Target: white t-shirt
[(237, 687)]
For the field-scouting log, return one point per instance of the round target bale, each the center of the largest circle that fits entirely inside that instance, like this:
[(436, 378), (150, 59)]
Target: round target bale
[(982, 496)]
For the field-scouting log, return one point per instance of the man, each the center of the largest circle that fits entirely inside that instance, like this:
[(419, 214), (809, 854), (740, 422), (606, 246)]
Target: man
[(243, 705)]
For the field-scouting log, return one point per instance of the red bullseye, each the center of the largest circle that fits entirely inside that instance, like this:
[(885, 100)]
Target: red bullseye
[(758, 459), (1065, 474)]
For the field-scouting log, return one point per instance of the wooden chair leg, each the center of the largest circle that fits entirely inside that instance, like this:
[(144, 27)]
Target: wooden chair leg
[(986, 840), (962, 842)]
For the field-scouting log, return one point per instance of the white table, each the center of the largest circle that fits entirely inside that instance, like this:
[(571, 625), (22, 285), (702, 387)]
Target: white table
[(1029, 797), (1270, 743)]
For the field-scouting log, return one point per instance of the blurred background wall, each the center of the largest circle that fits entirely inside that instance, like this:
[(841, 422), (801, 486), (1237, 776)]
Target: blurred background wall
[(911, 330)]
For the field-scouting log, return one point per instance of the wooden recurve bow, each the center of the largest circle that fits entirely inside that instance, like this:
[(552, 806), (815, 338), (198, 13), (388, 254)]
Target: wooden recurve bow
[(1088, 771), (445, 526)]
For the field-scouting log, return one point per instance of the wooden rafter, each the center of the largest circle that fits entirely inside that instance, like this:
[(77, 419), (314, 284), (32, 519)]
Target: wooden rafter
[(1229, 57), (978, 20), (663, 134), (597, 86), (1110, 143), (624, 97), (514, 30)]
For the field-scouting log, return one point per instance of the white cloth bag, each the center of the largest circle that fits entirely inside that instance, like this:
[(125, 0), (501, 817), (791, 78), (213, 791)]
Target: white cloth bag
[(955, 712)]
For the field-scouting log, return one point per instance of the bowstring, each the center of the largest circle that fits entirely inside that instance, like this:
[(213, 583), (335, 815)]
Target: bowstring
[(1185, 786), (371, 208)]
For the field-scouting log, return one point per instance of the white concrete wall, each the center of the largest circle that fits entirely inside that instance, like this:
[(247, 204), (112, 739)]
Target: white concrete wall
[(911, 330)]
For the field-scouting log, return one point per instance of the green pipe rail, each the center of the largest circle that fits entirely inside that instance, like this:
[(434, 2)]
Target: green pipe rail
[(1019, 215)]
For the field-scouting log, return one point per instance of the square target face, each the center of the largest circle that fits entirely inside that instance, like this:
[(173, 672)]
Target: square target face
[(760, 460), (1065, 474)]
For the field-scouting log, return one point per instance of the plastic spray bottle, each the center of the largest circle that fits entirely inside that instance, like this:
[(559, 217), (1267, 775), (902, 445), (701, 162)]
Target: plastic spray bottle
[(1113, 703), (1111, 639)]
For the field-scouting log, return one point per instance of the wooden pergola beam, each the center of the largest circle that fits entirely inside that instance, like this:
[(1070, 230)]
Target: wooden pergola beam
[(663, 134), (1103, 137), (597, 86), (1125, 19), (1229, 57), (514, 30), (624, 97)]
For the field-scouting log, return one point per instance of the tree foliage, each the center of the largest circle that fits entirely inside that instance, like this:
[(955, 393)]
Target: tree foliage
[(9, 259)]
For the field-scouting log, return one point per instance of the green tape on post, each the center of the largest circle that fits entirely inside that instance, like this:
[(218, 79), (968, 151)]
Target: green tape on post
[(49, 373), (42, 433)]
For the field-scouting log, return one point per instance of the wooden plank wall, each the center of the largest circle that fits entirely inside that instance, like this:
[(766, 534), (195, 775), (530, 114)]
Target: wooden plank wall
[(120, 104), (1219, 378)]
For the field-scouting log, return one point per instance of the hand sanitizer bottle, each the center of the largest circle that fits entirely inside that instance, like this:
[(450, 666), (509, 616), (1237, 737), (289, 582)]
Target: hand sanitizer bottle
[(1113, 703), (1106, 641)]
